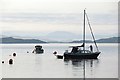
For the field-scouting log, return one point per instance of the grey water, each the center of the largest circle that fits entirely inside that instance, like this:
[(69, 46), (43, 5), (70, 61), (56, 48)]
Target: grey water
[(46, 65)]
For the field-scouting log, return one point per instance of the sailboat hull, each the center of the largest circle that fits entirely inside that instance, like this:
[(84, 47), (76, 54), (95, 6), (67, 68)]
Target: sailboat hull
[(82, 55), (77, 53)]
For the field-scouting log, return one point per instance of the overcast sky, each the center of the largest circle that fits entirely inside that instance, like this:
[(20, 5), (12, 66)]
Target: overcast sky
[(58, 15)]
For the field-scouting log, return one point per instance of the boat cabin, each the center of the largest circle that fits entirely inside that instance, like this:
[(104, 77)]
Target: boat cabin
[(77, 49)]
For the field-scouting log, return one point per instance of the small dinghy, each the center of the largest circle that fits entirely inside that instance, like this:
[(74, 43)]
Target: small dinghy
[(38, 49), (58, 55)]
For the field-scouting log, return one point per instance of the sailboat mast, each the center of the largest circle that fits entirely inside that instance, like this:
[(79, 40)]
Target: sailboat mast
[(84, 33), (84, 44)]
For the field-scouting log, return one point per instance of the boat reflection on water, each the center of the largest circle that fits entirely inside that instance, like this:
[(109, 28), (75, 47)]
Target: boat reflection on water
[(86, 67), (78, 62)]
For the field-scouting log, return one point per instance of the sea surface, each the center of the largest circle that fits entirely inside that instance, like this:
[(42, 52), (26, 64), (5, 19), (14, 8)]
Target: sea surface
[(46, 65)]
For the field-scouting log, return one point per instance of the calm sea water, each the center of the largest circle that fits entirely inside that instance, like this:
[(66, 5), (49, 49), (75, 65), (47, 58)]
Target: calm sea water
[(29, 65)]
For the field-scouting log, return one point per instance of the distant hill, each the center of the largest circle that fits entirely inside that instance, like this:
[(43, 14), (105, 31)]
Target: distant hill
[(105, 40), (61, 36), (109, 40), (87, 41), (15, 40)]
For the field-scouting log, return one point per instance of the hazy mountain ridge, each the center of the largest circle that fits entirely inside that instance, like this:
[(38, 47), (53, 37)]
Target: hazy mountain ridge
[(104, 40), (55, 36), (15, 40), (109, 40), (61, 36)]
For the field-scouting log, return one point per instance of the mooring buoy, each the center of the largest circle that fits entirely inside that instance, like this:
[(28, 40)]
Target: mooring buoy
[(55, 53), (2, 61), (14, 54), (10, 61)]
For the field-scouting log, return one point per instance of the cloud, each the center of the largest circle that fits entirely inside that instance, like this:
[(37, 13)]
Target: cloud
[(58, 11), (54, 15), (98, 19), (56, 6)]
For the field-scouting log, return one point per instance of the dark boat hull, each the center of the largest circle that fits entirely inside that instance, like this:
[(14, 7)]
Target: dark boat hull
[(40, 52), (81, 56), (59, 56)]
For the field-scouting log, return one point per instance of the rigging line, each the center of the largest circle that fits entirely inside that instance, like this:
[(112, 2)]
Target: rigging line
[(92, 32)]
